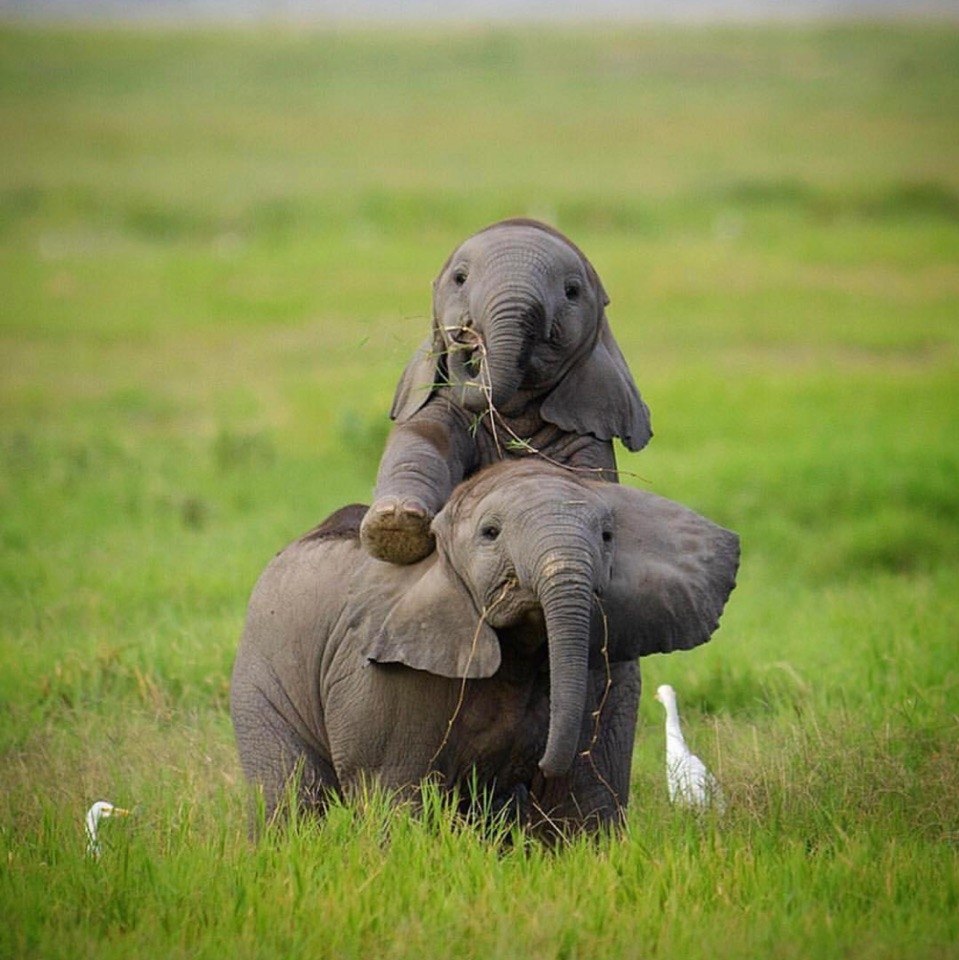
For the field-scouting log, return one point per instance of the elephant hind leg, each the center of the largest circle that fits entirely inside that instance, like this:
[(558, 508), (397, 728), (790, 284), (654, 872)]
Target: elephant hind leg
[(277, 761)]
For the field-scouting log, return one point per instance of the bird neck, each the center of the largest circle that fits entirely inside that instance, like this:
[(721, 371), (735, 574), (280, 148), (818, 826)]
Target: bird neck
[(673, 730)]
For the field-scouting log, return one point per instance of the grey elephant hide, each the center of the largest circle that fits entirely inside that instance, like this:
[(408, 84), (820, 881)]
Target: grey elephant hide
[(520, 362), (351, 669)]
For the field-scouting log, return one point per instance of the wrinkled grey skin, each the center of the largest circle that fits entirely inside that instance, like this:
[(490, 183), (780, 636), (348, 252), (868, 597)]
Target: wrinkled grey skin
[(354, 667), (519, 323)]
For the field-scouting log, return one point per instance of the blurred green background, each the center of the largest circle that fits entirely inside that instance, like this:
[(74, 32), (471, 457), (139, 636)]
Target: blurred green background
[(216, 250)]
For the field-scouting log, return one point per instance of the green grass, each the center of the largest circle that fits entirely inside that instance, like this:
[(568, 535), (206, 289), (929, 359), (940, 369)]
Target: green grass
[(215, 257)]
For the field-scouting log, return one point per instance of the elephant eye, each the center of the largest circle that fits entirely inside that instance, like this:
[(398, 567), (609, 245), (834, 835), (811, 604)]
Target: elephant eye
[(459, 277), (572, 290), (607, 536), (489, 531)]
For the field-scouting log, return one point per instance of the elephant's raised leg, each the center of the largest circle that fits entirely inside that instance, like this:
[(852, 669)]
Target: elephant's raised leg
[(397, 530), (423, 460)]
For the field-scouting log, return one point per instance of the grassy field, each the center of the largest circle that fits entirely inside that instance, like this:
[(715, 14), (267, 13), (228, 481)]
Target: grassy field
[(215, 257)]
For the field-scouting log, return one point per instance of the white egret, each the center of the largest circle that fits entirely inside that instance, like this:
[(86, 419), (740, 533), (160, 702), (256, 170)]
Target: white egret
[(99, 811), (690, 783)]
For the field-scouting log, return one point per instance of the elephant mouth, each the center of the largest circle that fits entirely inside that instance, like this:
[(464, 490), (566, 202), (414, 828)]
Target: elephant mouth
[(466, 363), (509, 603), (473, 361), (466, 355)]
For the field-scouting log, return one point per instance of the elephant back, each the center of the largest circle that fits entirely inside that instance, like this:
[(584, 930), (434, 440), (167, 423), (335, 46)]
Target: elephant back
[(342, 524)]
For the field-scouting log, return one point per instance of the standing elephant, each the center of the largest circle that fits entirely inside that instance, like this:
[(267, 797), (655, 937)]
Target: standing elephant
[(520, 360), (505, 660)]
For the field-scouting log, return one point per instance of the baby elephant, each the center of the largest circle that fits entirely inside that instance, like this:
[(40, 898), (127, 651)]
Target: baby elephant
[(520, 359), (504, 661)]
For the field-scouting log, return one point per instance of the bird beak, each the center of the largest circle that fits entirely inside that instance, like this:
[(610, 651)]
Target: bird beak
[(120, 812)]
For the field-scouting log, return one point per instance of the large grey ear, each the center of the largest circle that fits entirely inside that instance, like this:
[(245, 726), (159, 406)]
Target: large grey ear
[(435, 627), (598, 396), (673, 571), (418, 381)]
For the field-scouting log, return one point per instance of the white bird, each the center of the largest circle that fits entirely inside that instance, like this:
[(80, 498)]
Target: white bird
[(99, 811), (689, 781)]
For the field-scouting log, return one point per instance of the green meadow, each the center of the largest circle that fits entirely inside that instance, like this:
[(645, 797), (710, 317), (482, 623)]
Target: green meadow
[(216, 251)]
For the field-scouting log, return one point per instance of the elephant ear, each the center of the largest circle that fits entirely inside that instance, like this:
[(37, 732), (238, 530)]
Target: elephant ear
[(673, 571), (419, 379), (434, 626), (598, 396)]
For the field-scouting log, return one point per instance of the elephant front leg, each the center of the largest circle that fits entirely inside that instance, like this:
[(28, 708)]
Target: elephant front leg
[(592, 459), (595, 793), (424, 459)]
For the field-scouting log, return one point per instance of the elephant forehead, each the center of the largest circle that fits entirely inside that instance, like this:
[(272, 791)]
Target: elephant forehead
[(522, 245), (552, 506), (530, 478), (545, 500)]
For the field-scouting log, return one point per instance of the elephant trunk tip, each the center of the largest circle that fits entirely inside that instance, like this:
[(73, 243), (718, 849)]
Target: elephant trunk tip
[(554, 763), (549, 771)]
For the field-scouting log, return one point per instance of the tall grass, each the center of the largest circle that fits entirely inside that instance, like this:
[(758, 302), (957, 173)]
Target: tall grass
[(215, 256)]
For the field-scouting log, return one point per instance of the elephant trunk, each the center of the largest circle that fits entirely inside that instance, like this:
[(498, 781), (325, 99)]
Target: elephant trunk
[(492, 375), (565, 593)]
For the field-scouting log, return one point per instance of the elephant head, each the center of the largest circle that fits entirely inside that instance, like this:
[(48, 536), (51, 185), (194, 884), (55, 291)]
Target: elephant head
[(519, 318), (581, 562)]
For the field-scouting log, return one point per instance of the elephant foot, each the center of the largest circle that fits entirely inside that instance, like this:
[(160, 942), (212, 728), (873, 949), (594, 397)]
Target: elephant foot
[(512, 807), (397, 531)]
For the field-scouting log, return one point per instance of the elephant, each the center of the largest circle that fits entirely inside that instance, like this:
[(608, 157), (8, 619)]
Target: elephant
[(520, 361), (504, 663)]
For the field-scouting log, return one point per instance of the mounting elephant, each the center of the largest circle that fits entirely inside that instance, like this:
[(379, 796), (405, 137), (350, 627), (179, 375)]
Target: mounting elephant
[(504, 661), (520, 360)]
